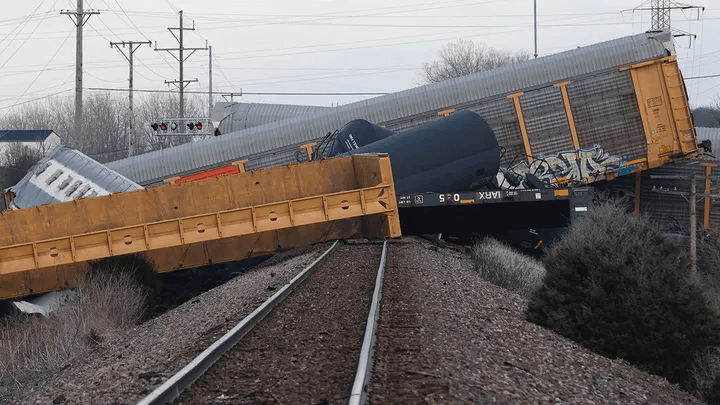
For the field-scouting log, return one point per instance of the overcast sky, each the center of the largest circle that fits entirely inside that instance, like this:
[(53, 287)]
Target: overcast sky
[(312, 46)]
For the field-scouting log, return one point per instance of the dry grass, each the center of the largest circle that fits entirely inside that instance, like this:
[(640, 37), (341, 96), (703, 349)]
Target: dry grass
[(706, 368), (109, 302), (708, 250), (504, 266)]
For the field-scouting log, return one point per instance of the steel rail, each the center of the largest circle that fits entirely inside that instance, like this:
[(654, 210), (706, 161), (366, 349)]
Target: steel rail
[(173, 387), (362, 375)]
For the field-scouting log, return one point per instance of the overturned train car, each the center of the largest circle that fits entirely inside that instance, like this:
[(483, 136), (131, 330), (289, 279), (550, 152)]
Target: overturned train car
[(455, 153), (575, 117), (445, 175)]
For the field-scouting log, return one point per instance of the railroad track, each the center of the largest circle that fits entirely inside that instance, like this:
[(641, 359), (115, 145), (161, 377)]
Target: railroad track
[(310, 346)]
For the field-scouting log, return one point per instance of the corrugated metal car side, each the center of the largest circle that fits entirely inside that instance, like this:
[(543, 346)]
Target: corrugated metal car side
[(242, 116), (407, 105)]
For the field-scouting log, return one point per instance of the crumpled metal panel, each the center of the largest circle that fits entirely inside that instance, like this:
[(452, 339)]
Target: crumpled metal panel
[(66, 175), (265, 145)]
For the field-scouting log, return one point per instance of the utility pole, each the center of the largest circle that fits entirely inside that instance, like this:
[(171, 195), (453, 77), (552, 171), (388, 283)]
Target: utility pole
[(210, 99), (181, 83), (132, 47), (535, 25), (79, 17), (692, 199), (693, 225)]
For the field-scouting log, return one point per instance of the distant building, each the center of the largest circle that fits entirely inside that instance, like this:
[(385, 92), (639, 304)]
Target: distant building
[(42, 141)]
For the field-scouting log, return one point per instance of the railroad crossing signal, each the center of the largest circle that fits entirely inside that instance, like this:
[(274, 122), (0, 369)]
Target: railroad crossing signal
[(181, 126)]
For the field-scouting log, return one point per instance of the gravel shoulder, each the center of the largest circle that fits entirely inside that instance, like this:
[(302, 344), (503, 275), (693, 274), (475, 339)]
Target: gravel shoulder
[(474, 339), (474, 345)]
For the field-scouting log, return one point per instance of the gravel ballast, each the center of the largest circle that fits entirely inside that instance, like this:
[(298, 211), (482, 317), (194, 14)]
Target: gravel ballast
[(304, 351), (470, 343)]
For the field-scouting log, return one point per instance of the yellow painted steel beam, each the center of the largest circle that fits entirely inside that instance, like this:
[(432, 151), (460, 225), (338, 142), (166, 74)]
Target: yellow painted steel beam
[(679, 108), (568, 112), (193, 229), (195, 223), (172, 180), (663, 104), (650, 62), (521, 121), (308, 149), (634, 162), (240, 165), (8, 199)]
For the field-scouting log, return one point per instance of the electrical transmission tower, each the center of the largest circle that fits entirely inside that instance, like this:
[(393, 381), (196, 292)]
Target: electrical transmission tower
[(79, 17), (181, 82), (132, 47), (660, 14)]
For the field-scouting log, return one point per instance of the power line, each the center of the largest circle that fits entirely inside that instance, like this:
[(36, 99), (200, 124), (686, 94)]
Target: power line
[(104, 80), (256, 93), (132, 47), (141, 33), (38, 75), (296, 78), (701, 77), (181, 82), (79, 18), (129, 19), (31, 17), (406, 18), (50, 89), (340, 14), (223, 74), (35, 99), (26, 39)]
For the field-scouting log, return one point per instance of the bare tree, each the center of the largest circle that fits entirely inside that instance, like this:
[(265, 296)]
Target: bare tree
[(464, 57), (105, 122), (15, 161), (37, 115), (707, 116)]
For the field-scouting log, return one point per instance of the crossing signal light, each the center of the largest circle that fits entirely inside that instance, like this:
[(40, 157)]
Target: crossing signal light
[(173, 126), (193, 125)]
